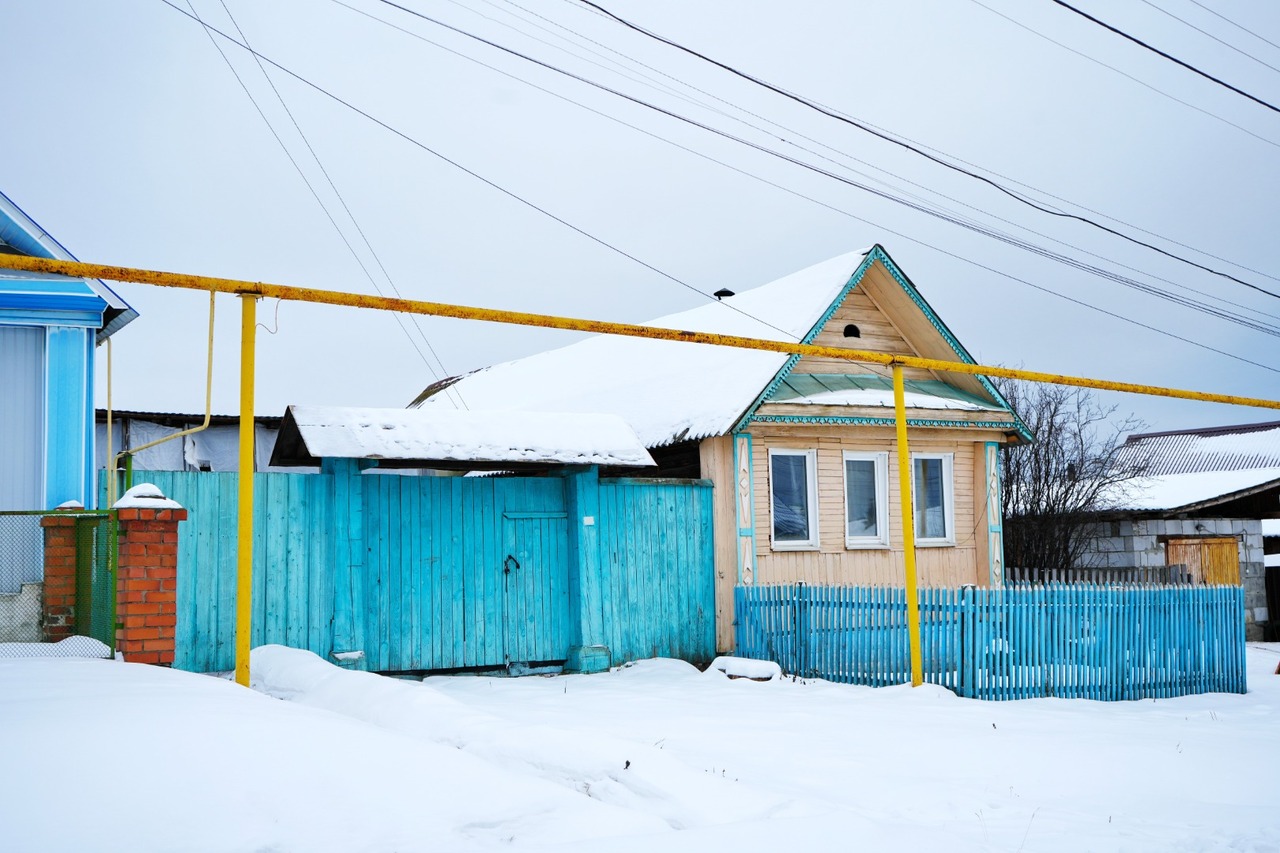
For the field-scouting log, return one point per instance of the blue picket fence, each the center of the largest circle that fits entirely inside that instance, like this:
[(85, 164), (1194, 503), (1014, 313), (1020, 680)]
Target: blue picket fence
[(1071, 641)]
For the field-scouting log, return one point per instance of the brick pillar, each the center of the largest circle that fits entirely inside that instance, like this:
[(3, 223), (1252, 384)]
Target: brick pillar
[(147, 589), (59, 617)]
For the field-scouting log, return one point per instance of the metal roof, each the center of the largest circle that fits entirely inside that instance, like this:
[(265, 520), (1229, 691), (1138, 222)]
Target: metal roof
[(1225, 448)]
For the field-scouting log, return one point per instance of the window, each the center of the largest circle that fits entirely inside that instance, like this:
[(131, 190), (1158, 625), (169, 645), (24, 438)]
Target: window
[(932, 493), (866, 500), (793, 495)]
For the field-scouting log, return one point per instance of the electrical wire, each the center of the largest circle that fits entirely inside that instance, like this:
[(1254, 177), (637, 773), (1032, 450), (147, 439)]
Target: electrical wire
[(270, 127), (1243, 29), (414, 321), (457, 165), (1163, 54), (1228, 45), (968, 224), (1145, 85), (918, 150), (792, 135), (892, 231)]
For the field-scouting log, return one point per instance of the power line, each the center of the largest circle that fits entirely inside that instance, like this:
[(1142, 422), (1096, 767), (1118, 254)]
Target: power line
[(917, 150), (414, 321), (921, 208), (1167, 56), (792, 134), (1144, 84), (1228, 45), (1243, 29), (494, 185), (422, 146), (297, 167)]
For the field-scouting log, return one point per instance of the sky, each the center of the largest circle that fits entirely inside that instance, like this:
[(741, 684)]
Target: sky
[(130, 139)]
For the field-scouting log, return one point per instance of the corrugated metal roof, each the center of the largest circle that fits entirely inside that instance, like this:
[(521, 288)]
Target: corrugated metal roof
[(1226, 448)]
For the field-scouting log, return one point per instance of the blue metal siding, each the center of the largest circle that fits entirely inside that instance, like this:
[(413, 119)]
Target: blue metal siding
[(22, 418)]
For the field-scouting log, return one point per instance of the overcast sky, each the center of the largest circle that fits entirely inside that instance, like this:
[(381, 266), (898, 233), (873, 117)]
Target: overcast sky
[(128, 137)]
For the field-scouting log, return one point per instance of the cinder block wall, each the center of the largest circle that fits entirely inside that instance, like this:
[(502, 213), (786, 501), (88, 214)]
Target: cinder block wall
[(1139, 542)]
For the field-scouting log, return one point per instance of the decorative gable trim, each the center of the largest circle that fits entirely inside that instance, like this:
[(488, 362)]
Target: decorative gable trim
[(877, 253)]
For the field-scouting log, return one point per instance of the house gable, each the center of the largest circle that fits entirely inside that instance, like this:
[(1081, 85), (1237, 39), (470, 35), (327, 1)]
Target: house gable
[(891, 317)]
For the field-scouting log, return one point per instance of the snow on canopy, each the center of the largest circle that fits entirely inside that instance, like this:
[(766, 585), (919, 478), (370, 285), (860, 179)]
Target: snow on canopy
[(1180, 491), (669, 391), (466, 436)]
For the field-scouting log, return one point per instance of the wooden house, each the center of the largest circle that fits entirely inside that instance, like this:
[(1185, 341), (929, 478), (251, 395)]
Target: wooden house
[(800, 450)]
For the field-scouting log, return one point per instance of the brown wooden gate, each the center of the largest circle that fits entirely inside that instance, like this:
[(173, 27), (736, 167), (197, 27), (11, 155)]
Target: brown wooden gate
[(1213, 560)]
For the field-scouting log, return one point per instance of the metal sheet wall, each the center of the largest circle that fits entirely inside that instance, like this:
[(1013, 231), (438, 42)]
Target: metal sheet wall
[(22, 417)]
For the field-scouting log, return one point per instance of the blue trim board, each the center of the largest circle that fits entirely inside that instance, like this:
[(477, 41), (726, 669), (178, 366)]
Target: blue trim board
[(51, 302), (91, 319), (20, 282), (864, 421), (66, 410)]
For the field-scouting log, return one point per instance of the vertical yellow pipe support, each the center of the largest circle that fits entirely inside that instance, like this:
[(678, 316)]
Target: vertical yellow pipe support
[(244, 542), (908, 527)]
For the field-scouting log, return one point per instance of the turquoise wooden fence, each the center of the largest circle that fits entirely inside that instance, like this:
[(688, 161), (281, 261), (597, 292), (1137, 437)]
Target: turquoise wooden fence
[(430, 573), (1107, 643)]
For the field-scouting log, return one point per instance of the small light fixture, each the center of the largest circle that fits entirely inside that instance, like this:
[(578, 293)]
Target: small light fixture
[(722, 293)]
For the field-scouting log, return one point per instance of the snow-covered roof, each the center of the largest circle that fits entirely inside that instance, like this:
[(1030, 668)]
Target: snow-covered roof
[(1225, 448), (667, 390), (671, 391), (1271, 527), (442, 435), (1186, 491)]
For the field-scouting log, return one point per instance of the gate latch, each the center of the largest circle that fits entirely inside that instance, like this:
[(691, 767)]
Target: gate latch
[(509, 563)]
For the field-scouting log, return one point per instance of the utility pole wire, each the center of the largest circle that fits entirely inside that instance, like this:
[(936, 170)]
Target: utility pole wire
[(1167, 56), (891, 139)]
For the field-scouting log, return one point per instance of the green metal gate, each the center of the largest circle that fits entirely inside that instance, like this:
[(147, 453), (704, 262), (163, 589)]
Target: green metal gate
[(58, 576)]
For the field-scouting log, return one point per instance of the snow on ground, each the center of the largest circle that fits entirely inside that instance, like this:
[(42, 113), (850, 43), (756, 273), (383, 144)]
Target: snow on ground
[(654, 756)]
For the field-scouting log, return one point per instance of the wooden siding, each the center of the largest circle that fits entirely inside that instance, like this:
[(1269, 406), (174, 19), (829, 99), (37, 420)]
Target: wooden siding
[(1090, 642), (717, 465), (967, 562), (656, 561), (439, 573)]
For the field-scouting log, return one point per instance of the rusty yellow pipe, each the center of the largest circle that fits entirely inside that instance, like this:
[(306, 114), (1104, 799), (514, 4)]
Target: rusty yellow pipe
[(908, 527), (244, 512), (208, 406), (520, 318)]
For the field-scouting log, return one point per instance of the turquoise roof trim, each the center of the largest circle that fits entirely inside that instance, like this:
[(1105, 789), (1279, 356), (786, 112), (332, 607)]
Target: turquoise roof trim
[(865, 421), (877, 253)]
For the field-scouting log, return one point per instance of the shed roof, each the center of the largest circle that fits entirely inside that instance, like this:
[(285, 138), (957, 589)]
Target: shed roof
[(1224, 448), (479, 438)]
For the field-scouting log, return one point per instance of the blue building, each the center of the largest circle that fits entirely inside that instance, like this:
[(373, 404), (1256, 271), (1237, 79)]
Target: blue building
[(49, 329)]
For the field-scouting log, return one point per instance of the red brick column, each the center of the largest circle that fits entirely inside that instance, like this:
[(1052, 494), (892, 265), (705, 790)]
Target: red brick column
[(147, 589), (59, 576)]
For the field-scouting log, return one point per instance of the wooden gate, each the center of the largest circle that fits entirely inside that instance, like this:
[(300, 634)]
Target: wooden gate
[(535, 586), (1212, 561)]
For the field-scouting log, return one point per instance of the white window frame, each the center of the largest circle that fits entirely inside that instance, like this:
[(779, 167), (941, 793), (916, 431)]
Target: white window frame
[(948, 499), (881, 460), (811, 488)]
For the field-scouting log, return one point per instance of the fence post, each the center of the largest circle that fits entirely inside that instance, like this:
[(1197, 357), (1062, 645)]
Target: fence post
[(801, 644), (963, 657)]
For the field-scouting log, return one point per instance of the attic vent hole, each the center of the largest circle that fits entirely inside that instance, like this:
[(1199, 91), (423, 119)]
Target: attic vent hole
[(851, 331)]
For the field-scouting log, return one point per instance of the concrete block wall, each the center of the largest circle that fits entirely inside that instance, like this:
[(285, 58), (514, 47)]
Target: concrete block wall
[(1138, 542)]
